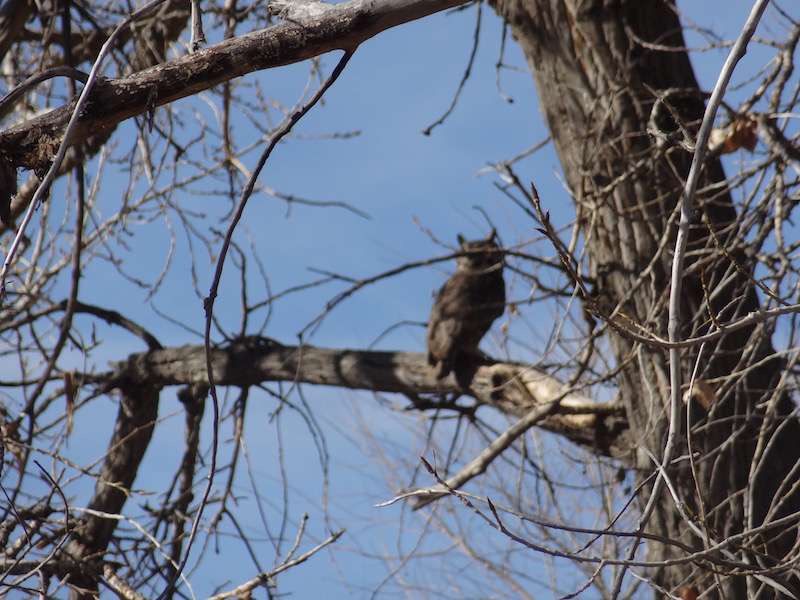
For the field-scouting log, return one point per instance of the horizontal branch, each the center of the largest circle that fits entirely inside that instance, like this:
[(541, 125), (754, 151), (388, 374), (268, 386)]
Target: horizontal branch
[(308, 30), (512, 388)]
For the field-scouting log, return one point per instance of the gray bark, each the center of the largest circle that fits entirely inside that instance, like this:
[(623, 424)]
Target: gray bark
[(515, 389)]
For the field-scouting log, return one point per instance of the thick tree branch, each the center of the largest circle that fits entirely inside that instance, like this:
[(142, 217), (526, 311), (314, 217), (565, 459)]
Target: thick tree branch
[(301, 36), (512, 388), (169, 22), (137, 415)]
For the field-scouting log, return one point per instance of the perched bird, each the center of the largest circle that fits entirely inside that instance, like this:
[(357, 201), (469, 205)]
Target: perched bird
[(467, 305)]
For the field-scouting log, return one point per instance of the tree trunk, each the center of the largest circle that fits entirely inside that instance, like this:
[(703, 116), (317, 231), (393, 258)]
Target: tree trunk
[(600, 68)]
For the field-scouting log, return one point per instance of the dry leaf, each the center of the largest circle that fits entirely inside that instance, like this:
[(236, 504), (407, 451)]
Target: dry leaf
[(688, 592), (740, 133), (702, 392)]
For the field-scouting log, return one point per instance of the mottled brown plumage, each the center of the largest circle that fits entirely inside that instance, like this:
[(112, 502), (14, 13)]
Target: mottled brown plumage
[(467, 305)]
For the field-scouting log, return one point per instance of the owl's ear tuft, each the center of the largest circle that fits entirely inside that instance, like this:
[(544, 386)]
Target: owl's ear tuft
[(492, 235), (461, 240)]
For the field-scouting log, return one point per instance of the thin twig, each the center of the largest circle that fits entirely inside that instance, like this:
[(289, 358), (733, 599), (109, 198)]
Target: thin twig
[(687, 198), (10, 99), (243, 590), (208, 303), (198, 37), (480, 463), (44, 186), (475, 39)]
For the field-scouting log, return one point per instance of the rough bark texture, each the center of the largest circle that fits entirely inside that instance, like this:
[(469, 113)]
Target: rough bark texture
[(512, 388), (599, 67), (136, 418), (33, 144)]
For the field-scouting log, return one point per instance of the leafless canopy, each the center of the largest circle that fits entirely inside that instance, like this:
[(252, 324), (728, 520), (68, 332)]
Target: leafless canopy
[(643, 438)]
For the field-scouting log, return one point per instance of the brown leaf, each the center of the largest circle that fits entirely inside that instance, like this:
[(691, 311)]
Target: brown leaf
[(740, 133), (703, 393), (688, 592)]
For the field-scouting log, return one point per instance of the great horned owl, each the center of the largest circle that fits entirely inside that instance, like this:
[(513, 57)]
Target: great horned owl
[(467, 305)]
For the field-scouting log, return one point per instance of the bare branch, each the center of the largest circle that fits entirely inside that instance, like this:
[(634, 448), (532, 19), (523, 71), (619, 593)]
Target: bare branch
[(481, 462), (509, 386), (333, 27), (262, 578)]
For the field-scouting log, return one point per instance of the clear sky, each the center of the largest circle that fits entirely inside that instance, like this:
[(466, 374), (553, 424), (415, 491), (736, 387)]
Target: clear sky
[(397, 84)]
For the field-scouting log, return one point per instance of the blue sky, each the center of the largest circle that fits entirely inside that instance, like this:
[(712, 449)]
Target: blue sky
[(396, 85)]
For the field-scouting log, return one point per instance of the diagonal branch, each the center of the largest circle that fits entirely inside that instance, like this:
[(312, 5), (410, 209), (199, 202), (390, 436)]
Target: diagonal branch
[(245, 590), (330, 27), (479, 464), (138, 411)]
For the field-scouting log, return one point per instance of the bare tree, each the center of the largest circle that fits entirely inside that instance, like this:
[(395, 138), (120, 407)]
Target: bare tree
[(668, 378)]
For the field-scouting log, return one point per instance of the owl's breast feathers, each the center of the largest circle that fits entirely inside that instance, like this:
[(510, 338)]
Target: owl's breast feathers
[(465, 308)]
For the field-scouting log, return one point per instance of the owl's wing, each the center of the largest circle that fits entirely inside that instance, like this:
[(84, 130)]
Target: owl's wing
[(445, 326)]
